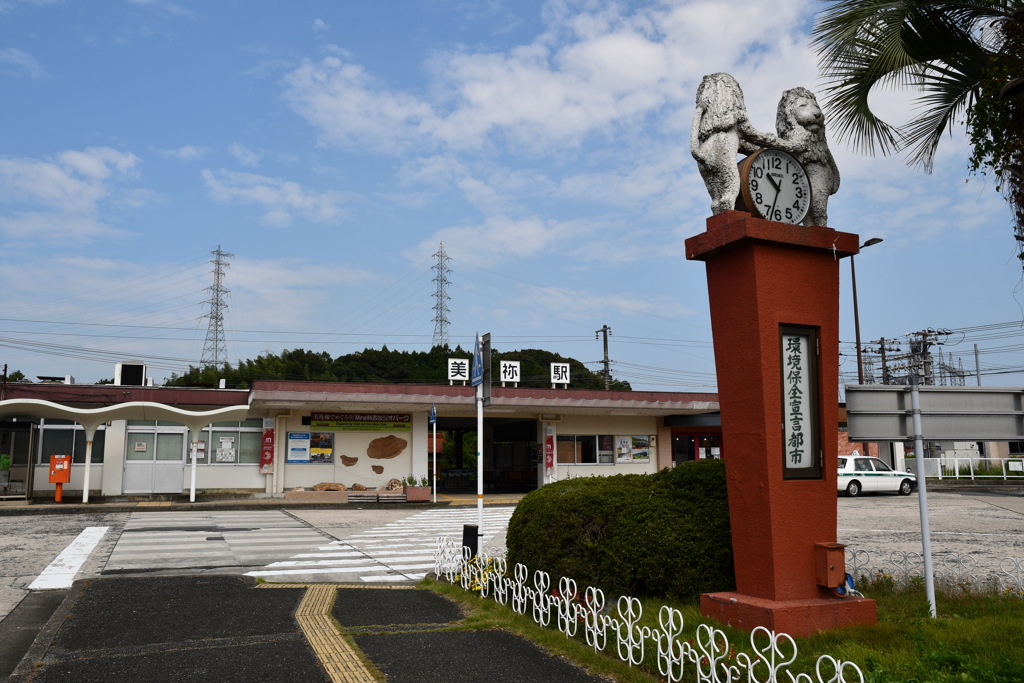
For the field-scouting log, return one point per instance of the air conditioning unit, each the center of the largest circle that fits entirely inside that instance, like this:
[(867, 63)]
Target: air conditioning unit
[(130, 374)]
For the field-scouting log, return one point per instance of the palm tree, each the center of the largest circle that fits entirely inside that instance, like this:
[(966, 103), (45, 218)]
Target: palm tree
[(964, 58)]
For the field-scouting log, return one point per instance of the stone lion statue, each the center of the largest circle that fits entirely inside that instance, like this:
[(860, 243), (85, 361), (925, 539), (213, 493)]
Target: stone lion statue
[(800, 124), (721, 130)]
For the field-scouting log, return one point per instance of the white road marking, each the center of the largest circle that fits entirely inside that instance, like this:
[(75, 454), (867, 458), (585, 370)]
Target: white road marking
[(61, 572), (398, 551)]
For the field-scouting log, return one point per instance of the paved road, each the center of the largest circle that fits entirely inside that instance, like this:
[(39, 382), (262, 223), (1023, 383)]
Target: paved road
[(397, 545), (976, 532), (334, 545)]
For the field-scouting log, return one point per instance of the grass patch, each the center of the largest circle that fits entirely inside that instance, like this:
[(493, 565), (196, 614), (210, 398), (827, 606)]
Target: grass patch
[(975, 639)]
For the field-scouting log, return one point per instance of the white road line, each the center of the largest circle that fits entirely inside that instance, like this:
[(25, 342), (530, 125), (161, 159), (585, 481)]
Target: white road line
[(61, 572)]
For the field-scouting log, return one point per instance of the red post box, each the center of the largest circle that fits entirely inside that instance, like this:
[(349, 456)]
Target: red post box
[(60, 473)]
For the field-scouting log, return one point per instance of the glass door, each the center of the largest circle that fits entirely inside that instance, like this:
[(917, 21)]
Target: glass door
[(154, 462), (15, 462)]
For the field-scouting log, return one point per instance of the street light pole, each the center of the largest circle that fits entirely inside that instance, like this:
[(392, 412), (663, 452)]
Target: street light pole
[(856, 313)]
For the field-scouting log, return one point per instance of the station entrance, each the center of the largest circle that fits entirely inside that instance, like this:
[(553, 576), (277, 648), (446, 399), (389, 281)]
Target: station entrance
[(510, 451)]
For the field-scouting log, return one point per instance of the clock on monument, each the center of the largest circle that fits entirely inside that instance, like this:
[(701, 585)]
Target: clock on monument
[(774, 186)]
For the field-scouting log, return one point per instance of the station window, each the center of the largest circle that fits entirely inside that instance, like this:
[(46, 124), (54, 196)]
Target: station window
[(65, 437), (586, 449), (234, 443)]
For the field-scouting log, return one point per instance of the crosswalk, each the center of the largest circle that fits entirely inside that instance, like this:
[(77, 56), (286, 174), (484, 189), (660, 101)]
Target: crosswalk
[(399, 551), (217, 541), (278, 547)]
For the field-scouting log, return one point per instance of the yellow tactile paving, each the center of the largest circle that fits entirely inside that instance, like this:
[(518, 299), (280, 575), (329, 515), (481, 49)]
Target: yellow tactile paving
[(314, 616)]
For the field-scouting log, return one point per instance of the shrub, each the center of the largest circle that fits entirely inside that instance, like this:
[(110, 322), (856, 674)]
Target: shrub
[(665, 534)]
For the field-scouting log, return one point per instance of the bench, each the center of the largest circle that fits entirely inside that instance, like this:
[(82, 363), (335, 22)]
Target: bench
[(375, 497)]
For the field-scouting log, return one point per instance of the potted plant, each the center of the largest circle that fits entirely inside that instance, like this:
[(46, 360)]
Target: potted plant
[(416, 492)]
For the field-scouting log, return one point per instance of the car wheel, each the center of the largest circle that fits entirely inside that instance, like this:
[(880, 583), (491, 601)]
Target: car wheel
[(853, 489), (906, 487)]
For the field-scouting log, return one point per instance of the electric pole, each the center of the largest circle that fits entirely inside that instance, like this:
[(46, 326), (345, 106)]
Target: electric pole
[(605, 330)]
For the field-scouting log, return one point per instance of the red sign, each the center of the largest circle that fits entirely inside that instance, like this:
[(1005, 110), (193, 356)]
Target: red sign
[(267, 452), (549, 452)]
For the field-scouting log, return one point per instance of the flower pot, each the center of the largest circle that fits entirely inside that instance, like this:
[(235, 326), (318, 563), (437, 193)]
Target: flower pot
[(414, 494)]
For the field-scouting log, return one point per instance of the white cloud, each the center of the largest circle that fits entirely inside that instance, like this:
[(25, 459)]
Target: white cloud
[(74, 181), (54, 226), (351, 108), (289, 292), (247, 157), (587, 305), (498, 238), (596, 69), (15, 62), (186, 153), (319, 26), (281, 199), (7, 5)]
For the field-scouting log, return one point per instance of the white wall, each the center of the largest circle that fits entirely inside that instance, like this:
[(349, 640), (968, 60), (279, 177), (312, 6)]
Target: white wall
[(412, 460), (617, 426)]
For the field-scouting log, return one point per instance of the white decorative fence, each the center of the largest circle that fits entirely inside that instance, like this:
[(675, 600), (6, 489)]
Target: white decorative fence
[(952, 571), (706, 658)]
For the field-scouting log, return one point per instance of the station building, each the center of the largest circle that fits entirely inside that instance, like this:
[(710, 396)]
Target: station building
[(280, 436)]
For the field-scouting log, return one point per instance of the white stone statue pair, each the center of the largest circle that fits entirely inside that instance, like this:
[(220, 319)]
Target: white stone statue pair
[(721, 130)]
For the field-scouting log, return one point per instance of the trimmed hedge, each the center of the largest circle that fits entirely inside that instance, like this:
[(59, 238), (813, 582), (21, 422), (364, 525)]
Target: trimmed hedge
[(665, 534)]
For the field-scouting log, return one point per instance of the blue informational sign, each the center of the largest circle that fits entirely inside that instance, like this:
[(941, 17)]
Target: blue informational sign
[(433, 415), (477, 376)]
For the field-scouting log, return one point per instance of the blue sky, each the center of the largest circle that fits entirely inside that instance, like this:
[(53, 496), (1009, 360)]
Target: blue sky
[(332, 145)]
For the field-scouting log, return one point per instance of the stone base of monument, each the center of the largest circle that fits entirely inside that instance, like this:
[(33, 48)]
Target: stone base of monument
[(797, 618)]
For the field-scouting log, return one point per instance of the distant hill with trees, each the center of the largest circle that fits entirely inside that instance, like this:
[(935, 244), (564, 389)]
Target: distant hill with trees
[(386, 366)]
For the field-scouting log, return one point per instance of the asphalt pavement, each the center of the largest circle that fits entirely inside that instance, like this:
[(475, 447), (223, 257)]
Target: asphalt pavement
[(231, 628), (234, 628), (228, 628)]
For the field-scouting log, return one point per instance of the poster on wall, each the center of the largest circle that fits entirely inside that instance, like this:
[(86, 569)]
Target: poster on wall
[(226, 449), (298, 447), (549, 452), (624, 449), (641, 448), (321, 448), (630, 449)]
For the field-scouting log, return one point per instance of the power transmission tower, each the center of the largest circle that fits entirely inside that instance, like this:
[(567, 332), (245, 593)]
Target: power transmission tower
[(607, 363), (441, 297), (214, 348)]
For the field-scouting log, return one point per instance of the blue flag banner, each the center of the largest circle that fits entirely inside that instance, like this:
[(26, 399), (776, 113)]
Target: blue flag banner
[(433, 414), (477, 374)]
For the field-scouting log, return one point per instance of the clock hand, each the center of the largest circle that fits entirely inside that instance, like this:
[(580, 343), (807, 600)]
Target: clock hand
[(774, 182), (778, 188)]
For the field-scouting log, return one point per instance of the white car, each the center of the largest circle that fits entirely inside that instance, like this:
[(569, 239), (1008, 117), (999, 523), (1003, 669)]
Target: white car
[(862, 474)]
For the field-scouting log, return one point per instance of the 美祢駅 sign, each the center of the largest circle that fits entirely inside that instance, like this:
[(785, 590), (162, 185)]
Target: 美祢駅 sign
[(361, 422)]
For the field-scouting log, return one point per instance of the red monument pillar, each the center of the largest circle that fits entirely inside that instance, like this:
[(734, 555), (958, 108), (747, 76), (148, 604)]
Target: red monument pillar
[(774, 297)]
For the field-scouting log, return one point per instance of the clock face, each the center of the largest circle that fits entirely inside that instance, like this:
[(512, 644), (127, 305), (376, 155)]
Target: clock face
[(775, 186)]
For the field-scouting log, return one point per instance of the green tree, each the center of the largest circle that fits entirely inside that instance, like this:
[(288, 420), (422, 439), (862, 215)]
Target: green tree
[(961, 57), (385, 366)]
